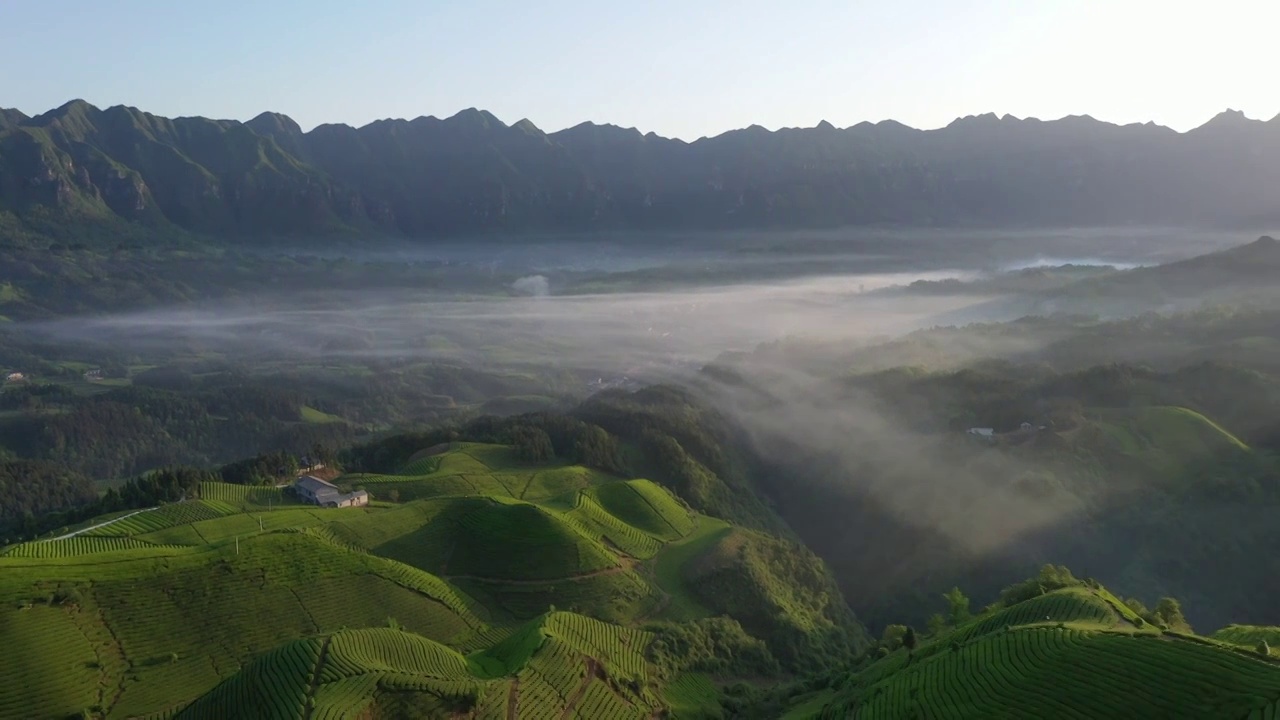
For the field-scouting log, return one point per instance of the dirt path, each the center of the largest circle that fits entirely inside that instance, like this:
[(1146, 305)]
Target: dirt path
[(593, 671), (513, 700), (101, 524)]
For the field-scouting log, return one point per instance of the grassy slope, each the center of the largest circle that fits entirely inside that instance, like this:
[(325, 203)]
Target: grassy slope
[(1250, 635), (1072, 653), (1172, 429), (670, 565), (163, 605), (312, 415)]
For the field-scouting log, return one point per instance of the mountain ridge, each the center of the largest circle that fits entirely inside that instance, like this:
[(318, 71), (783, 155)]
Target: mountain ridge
[(79, 166)]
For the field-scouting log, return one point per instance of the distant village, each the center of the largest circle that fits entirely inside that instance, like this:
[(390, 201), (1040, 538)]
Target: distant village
[(14, 377)]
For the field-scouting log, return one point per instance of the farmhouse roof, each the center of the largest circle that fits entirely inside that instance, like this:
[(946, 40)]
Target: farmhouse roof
[(315, 484)]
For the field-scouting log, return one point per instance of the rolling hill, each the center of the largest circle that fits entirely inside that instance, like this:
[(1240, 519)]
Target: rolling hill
[(559, 665), (1073, 652), (445, 600)]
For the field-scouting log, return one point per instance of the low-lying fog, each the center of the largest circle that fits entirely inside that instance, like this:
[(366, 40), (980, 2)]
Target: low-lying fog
[(619, 332), (760, 287)]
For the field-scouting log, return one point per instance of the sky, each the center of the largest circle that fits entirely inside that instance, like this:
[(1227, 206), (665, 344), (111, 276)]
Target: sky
[(684, 68)]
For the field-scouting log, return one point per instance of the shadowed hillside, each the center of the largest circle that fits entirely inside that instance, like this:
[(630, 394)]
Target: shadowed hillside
[(78, 167)]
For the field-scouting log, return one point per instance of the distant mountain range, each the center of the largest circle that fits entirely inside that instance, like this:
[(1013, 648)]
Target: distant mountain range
[(119, 169)]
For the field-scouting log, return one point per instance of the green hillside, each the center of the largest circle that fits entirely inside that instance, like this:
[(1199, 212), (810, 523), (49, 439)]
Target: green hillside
[(439, 603), (560, 665), (1249, 635), (1075, 652), (1163, 439)]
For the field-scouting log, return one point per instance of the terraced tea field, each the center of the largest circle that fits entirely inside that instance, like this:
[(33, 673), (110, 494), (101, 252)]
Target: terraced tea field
[(1067, 654), (545, 670), (1250, 635), (246, 598)]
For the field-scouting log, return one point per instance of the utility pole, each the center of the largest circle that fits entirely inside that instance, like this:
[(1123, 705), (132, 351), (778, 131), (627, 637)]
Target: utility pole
[(237, 544)]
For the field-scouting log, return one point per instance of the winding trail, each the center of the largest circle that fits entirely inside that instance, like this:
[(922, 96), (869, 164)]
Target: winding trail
[(513, 700)]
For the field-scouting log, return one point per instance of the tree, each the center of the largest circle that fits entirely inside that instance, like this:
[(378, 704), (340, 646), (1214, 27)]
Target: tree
[(937, 624), (892, 636), (532, 444), (1169, 611), (1263, 648), (909, 640), (1136, 605), (958, 604)]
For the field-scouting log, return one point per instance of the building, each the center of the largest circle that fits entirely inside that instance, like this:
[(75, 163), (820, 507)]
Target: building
[(325, 494), (1027, 427), (982, 432), (15, 377)]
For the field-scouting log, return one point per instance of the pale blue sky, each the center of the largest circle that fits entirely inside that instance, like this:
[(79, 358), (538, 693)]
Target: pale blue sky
[(679, 68)]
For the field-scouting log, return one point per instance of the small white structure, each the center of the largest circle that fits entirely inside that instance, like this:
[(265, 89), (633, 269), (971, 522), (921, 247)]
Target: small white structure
[(1026, 426), (15, 377), (982, 432), (325, 494)]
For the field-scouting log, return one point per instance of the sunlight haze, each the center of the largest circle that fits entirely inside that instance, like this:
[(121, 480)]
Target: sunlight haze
[(675, 68)]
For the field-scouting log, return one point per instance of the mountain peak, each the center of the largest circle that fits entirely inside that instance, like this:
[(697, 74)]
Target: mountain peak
[(601, 131), (472, 117), (75, 108), (526, 126), (273, 123), (824, 125), (1229, 119), (984, 120), (10, 117)]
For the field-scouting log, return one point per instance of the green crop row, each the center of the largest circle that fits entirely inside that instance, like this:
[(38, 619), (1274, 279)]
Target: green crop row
[(241, 495), (388, 650), (621, 648), (1063, 606), (646, 506), (538, 699), (602, 703), (274, 686), (1065, 673), (166, 516), (593, 520), (79, 545)]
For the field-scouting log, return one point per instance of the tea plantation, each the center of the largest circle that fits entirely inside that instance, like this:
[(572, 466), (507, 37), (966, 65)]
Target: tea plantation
[(1071, 653), (245, 598), (477, 585), (560, 665)]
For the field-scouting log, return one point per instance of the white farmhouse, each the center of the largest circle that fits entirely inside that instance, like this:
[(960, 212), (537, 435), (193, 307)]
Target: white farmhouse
[(325, 494)]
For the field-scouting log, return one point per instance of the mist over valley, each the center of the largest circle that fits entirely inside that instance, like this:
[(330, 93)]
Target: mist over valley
[(455, 418)]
